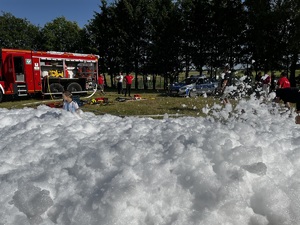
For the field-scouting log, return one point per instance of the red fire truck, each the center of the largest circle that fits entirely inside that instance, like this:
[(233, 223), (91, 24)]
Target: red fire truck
[(26, 72)]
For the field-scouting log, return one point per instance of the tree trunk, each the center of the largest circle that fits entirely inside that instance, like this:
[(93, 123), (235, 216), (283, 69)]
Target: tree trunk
[(112, 80), (136, 71), (154, 81), (166, 81), (293, 70)]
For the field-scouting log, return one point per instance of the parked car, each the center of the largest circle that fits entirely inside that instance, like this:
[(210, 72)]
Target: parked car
[(174, 88), (202, 86)]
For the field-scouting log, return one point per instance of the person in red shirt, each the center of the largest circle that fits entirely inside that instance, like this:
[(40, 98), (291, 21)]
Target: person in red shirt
[(128, 80), (101, 83), (283, 81)]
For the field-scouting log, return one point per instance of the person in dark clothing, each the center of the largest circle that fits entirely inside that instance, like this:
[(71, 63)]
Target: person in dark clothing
[(258, 78), (289, 95), (226, 81), (273, 82)]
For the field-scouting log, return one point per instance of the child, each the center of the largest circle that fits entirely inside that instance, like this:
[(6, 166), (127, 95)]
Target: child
[(68, 103)]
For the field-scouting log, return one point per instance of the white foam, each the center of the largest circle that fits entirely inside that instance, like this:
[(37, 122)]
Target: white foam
[(239, 165)]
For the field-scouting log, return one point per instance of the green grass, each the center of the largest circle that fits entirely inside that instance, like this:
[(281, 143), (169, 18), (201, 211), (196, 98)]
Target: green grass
[(153, 103)]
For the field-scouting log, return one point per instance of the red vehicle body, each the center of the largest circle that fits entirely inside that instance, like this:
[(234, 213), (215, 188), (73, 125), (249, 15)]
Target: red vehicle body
[(26, 72)]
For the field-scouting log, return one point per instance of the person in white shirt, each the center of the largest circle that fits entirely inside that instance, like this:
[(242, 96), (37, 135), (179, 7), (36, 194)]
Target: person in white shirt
[(266, 82), (119, 80), (69, 104)]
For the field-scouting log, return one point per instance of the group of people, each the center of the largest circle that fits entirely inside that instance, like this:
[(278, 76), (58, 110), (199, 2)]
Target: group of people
[(119, 80), (283, 88), (284, 91), (268, 83), (128, 81)]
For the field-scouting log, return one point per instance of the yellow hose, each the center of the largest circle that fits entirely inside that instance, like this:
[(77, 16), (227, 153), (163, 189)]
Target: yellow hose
[(49, 90)]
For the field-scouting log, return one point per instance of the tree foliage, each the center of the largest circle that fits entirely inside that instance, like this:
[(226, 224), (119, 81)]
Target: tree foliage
[(167, 37), (60, 35), (17, 33)]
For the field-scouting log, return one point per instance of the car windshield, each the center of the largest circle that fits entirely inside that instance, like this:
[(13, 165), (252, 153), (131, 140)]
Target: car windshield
[(203, 81), (189, 80)]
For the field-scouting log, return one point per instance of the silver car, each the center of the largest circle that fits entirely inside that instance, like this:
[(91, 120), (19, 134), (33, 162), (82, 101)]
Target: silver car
[(202, 86), (174, 88)]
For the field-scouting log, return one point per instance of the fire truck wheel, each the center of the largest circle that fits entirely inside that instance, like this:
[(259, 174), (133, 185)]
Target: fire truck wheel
[(56, 87), (74, 87), (1, 96)]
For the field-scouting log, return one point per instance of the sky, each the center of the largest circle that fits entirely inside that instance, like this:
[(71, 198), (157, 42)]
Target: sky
[(41, 12), (237, 166)]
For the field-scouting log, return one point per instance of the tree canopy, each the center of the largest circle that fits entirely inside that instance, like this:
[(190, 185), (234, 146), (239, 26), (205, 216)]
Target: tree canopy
[(17, 33), (167, 37)]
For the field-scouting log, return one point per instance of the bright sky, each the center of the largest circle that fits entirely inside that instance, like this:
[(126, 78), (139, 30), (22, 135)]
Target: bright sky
[(237, 167), (40, 12)]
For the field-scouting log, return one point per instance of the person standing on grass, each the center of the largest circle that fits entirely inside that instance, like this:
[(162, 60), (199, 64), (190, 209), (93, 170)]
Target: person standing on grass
[(258, 77), (225, 82), (128, 80), (288, 95), (101, 83), (266, 83), (284, 82), (273, 84), (119, 80)]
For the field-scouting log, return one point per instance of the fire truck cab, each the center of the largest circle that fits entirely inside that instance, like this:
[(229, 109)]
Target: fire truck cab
[(26, 72)]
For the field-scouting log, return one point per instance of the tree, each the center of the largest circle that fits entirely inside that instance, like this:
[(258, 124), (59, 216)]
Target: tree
[(200, 33), (291, 22), (61, 35), (265, 33), (133, 23), (106, 37), (17, 33), (225, 32), (273, 34), (187, 8), (166, 42)]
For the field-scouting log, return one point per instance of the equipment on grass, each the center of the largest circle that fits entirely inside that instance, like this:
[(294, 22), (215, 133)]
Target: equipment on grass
[(137, 97), (98, 101)]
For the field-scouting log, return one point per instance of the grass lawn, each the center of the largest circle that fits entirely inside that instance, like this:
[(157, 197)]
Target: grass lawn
[(152, 103)]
